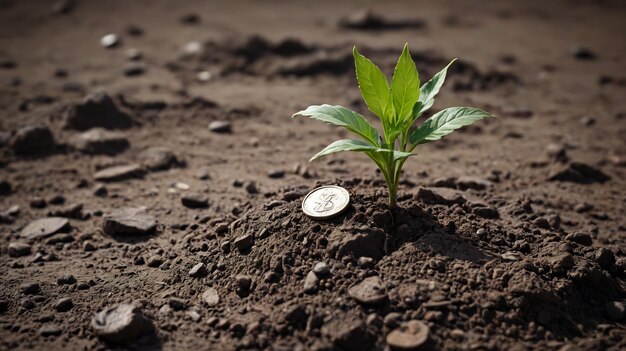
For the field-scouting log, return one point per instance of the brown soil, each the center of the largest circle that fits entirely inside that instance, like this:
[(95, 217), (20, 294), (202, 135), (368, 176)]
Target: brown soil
[(509, 234)]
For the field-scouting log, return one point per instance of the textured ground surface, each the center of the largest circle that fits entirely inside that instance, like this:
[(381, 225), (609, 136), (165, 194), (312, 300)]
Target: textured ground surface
[(510, 234)]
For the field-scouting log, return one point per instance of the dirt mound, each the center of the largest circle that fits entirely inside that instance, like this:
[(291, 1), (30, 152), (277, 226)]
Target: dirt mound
[(438, 263)]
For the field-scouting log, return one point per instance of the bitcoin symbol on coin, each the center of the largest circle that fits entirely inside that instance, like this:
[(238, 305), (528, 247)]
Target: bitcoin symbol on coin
[(326, 202)]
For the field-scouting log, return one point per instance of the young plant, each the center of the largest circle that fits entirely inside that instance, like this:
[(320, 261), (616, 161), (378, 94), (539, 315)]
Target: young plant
[(398, 107)]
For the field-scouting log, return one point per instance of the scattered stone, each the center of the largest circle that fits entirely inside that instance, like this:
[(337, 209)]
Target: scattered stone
[(348, 334), (194, 201), (60, 238), (582, 53), (120, 173), (99, 141), (581, 173), (159, 159), (177, 304), (580, 238), (63, 304), (44, 227), (19, 249), (542, 222), (191, 18), (155, 261), (109, 41), (97, 110), (100, 190), (321, 269), (365, 262), (192, 48), (615, 310), (128, 221), (276, 173), (30, 288), (198, 271), (134, 69), (66, 279), (33, 140), (244, 242), (364, 241), (557, 152), (250, 187), (440, 196), (410, 336), (605, 258), (211, 297), (370, 291), (311, 283), (204, 76), (220, 127), (244, 282), (50, 330), (27, 303), (295, 315), (464, 183), (120, 323), (134, 54), (38, 203)]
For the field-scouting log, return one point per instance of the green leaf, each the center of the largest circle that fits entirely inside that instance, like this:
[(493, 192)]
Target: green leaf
[(405, 85), (344, 145), (445, 122), (429, 90), (359, 145), (374, 87), (343, 117)]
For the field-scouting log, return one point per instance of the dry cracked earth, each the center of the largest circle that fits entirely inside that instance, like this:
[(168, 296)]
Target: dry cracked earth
[(151, 178)]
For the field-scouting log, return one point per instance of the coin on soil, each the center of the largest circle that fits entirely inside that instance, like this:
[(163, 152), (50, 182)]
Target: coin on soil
[(325, 202)]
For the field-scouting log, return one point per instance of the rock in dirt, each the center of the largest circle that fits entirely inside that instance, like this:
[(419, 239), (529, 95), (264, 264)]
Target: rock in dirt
[(99, 141), (159, 159), (30, 288), (33, 140), (198, 271), (244, 282), (321, 269), (19, 249), (220, 127), (66, 279), (97, 110), (155, 261), (357, 242), (476, 183), (50, 330), (63, 304), (370, 291), (580, 238), (440, 196), (120, 173), (211, 297), (120, 323), (44, 227), (350, 334), (110, 41), (311, 283), (581, 173), (194, 201), (410, 336), (244, 242), (128, 221)]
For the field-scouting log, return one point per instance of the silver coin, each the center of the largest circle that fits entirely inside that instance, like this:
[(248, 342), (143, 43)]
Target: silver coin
[(325, 202)]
